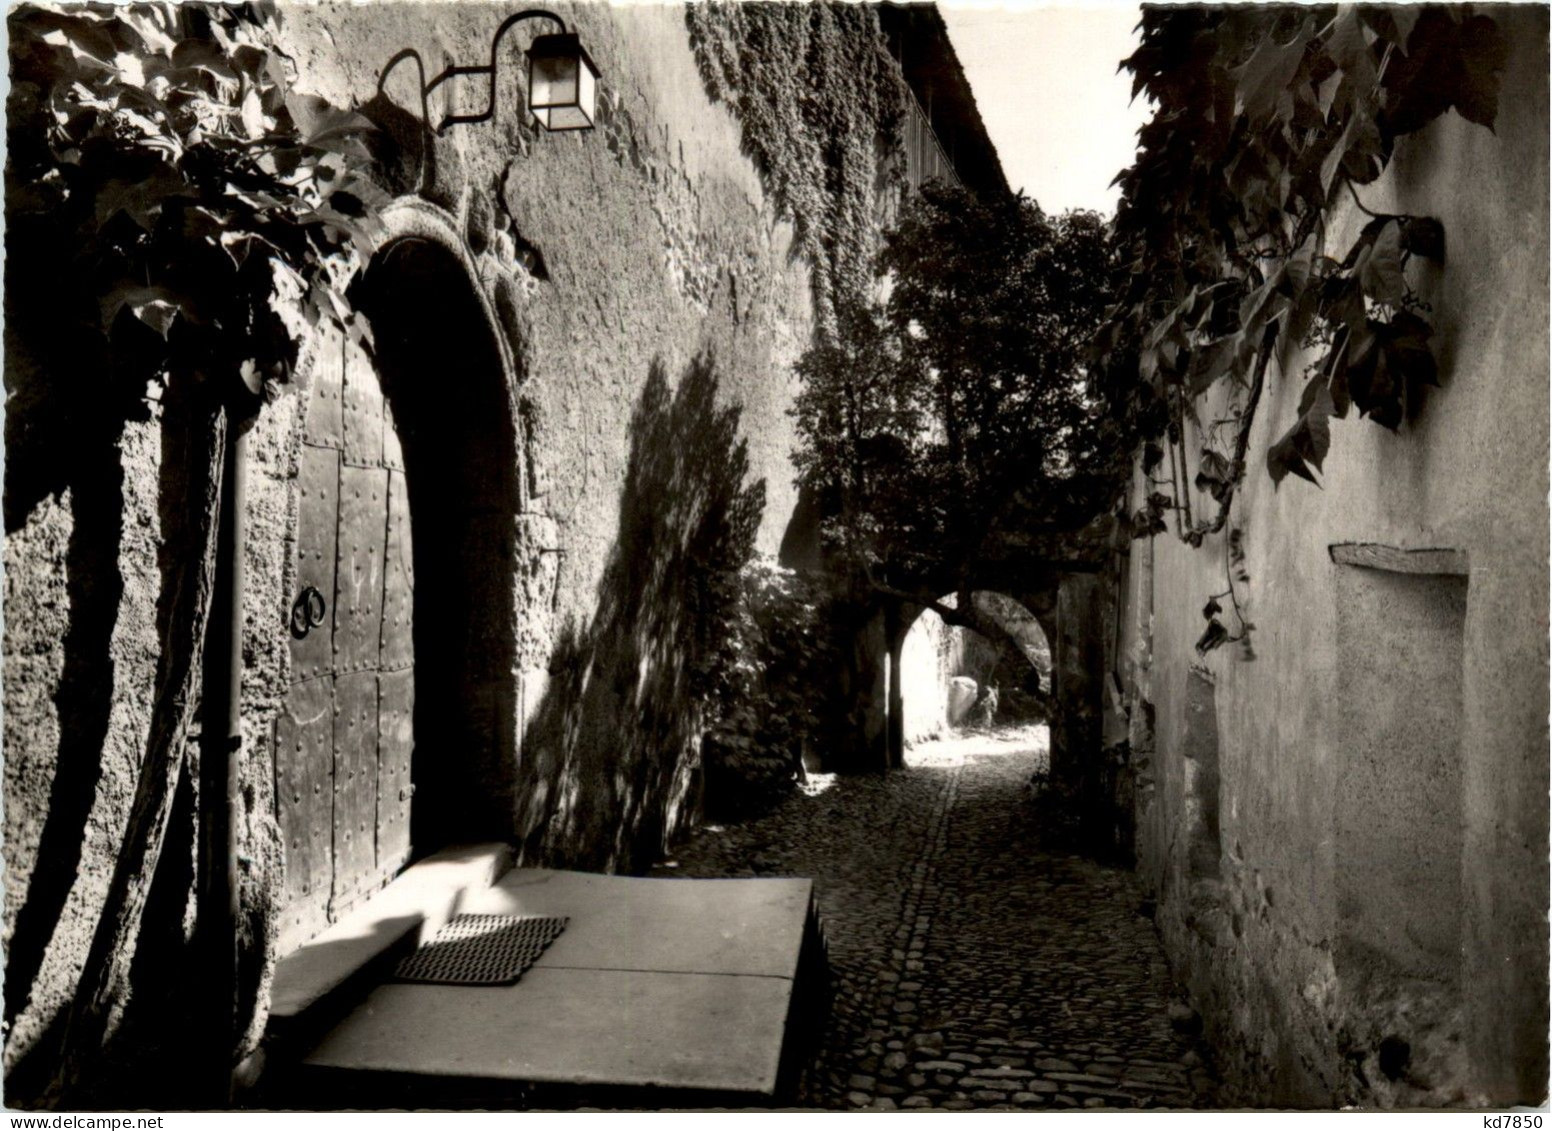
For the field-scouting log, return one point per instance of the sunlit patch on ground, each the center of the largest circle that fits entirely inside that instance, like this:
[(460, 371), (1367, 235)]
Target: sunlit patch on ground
[(957, 747), (813, 785)]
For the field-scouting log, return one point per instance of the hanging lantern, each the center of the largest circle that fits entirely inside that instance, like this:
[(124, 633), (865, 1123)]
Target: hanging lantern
[(562, 83)]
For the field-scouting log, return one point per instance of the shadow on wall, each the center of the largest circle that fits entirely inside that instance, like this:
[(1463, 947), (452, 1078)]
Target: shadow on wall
[(62, 431), (75, 422), (53, 789), (610, 755)]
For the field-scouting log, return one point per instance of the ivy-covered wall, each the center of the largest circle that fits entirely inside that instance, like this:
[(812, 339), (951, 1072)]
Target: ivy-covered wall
[(1345, 823), (821, 106)]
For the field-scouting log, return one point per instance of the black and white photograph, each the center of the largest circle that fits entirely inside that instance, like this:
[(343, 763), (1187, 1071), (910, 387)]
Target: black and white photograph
[(753, 556)]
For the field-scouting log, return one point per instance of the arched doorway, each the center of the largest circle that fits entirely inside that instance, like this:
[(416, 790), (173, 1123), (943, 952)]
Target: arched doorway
[(398, 732), (954, 679)]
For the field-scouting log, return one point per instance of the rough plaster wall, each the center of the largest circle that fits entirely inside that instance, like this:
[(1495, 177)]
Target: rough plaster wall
[(269, 568), (1469, 474), (37, 616), (37, 613), (929, 658), (54, 904)]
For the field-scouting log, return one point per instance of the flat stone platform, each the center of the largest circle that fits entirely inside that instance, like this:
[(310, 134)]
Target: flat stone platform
[(683, 987)]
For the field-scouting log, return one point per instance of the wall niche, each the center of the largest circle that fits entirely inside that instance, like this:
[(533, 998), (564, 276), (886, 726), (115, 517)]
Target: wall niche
[(1398, 813)]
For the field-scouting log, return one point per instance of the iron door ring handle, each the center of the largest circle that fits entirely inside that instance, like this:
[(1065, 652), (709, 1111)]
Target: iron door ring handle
[(307, 611)]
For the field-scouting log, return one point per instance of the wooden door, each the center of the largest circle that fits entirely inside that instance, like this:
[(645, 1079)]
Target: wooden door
[(344, 738)]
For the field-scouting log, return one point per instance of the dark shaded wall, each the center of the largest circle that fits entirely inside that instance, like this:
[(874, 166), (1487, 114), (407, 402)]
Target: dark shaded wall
[(612, 749)]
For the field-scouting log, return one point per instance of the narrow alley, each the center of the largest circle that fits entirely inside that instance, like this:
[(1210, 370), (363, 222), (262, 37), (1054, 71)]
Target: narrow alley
[(973, 966), (680, 555)]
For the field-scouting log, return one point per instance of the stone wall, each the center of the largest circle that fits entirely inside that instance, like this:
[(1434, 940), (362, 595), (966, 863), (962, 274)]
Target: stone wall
[(1345, 824), (649, 306)]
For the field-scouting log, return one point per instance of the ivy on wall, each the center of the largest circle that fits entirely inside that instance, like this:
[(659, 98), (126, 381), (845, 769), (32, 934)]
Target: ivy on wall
[(821, 105), (1268, 119), (183, 211)]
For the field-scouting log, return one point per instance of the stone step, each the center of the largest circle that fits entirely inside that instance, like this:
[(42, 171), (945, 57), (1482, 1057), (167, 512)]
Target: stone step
[(315, 984), (660, 992)]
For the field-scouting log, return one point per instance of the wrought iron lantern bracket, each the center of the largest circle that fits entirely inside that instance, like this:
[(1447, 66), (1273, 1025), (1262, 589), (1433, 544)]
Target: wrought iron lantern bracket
[(490, 70)]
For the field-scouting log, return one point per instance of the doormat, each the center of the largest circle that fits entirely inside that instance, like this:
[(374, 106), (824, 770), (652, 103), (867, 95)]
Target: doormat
[(481, 950)]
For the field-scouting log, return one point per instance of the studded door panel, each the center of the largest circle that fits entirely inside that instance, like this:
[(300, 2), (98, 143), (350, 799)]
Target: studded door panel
[(358, 604), (304, 802), (346, 733), (395, 746), (355, 787)]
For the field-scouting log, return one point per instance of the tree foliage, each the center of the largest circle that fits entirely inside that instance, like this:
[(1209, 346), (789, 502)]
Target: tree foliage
[(1267, 120), (177, 208), (771, 692), (925, 418)]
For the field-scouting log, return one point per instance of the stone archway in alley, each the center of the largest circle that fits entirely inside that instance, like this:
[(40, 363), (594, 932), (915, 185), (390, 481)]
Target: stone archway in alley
[(1071, 603), (403, 627), (951, 676)]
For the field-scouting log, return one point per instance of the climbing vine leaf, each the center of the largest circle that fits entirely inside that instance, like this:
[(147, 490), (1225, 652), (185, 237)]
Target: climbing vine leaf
[(180, 209), (1267, 120)]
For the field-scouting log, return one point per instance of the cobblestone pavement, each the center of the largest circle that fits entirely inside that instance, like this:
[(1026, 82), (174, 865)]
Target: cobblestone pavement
[(972, 968)]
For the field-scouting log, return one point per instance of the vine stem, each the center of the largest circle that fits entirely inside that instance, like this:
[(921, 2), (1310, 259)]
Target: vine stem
[(1257, 385), (1177, 487), (1351, 188), (1185, 471), (1242, 441)]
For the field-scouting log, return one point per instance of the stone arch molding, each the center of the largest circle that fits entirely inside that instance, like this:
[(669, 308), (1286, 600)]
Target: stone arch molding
[(490, 284), (408, 218), (416, 218)]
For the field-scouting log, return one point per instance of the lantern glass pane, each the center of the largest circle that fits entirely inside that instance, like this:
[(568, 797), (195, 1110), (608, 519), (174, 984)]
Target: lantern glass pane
[(563, 118), (587, 91), (552, 81)]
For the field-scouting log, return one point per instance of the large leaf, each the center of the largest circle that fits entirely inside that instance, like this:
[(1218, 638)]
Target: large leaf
[(141, 198), (1349, 46), (1212, 636), (1407, 354), (202, 55), (1212, 362), (1305, 445), (1214, 475), (1379, 265), (1389, 367), (1483, 53), (89, 46), (157, 307), (324, 126), (1265, 77), (1423, 235)]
